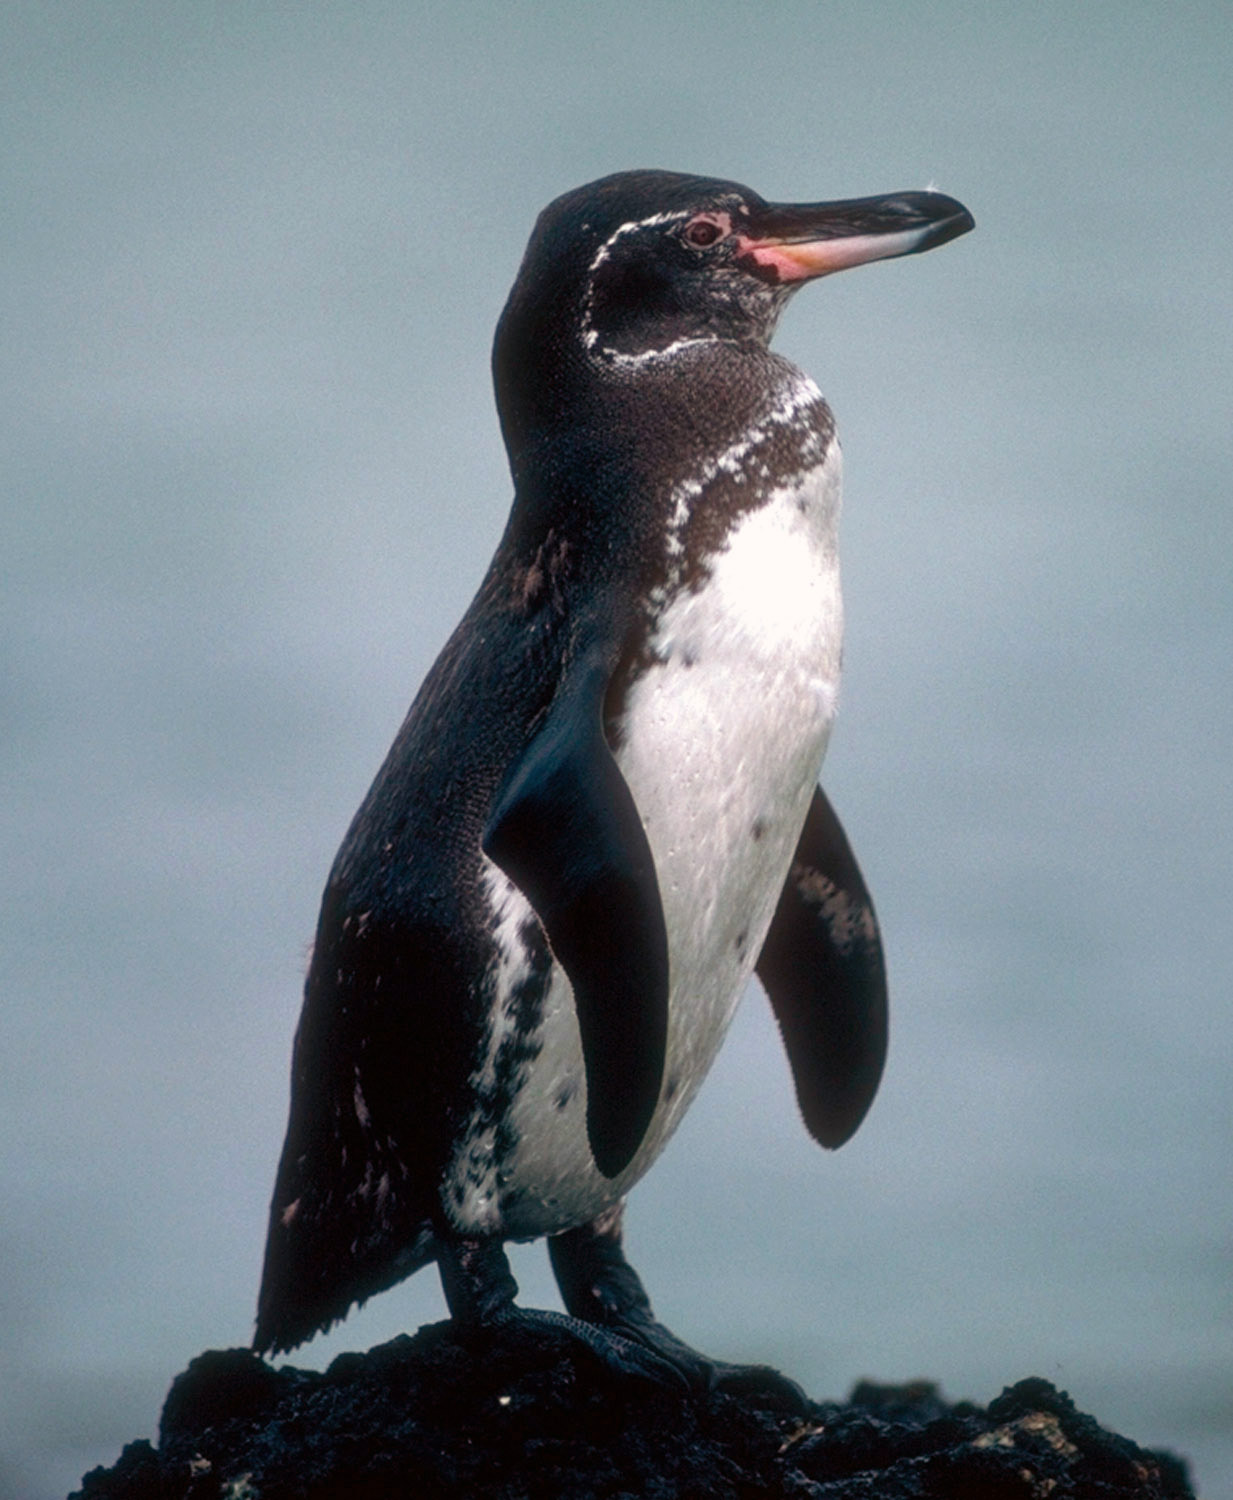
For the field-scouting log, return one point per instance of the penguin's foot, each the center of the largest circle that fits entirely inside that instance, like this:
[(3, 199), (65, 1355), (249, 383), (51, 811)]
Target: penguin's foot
[(712, 1374), (617, 1349), (601, 1289), (480, 1290)]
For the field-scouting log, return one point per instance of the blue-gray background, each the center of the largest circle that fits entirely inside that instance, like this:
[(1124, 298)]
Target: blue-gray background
[(252, 257)]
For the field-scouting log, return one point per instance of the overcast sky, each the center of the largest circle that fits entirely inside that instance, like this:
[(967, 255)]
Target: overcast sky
[(252, 258)]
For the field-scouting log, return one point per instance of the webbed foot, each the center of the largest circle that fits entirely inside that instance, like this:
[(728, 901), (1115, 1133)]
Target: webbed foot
[(480, 1290), (601, 1289)]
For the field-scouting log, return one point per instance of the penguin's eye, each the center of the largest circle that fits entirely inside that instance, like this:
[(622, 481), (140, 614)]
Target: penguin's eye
[(704, 231)]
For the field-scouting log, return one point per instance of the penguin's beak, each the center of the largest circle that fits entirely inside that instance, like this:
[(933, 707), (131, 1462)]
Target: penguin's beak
[(789, 242)]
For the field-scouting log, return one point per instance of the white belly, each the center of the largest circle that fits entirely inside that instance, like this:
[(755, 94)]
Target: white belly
[(722, 741)]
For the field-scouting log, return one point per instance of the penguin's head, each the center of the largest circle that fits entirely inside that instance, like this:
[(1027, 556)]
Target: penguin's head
[(628, 270)]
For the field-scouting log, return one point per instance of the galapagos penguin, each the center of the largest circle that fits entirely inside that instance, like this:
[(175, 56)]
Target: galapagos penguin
[(601, 814)]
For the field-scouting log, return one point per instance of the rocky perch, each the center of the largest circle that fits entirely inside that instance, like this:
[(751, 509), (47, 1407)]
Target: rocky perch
[(525, 1414)]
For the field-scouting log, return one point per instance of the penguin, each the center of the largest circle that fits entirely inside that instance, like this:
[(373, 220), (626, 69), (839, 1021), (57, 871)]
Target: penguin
[(601, 815)]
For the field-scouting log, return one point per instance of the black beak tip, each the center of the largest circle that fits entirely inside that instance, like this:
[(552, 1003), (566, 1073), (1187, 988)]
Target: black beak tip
[(949, 218)]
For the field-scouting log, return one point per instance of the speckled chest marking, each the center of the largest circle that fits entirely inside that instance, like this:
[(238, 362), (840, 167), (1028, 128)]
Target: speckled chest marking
[(721, 741)]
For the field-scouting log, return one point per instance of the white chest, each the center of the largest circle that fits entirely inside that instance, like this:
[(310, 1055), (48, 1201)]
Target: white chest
[(721, 742)]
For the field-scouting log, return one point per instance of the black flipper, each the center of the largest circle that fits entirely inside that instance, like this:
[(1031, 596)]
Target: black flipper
[(565, 829), (822, 968)]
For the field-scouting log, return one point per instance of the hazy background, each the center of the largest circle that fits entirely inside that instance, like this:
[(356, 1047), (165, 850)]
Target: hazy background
[(251, 260)]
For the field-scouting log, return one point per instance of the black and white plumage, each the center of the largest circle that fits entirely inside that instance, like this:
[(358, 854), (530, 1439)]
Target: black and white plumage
[(601, 814)]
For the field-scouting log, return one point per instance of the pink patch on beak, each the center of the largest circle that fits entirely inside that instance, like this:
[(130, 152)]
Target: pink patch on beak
[(801, 260)]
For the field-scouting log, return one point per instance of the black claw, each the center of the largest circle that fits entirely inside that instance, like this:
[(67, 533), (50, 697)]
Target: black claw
[(752, 1382), (763, 1382)]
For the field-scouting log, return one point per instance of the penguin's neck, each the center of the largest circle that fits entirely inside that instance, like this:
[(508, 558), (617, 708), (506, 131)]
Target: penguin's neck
[(652, 431)]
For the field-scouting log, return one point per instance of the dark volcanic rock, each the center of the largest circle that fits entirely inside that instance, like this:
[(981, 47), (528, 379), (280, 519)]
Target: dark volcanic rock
[(522, 1414)]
